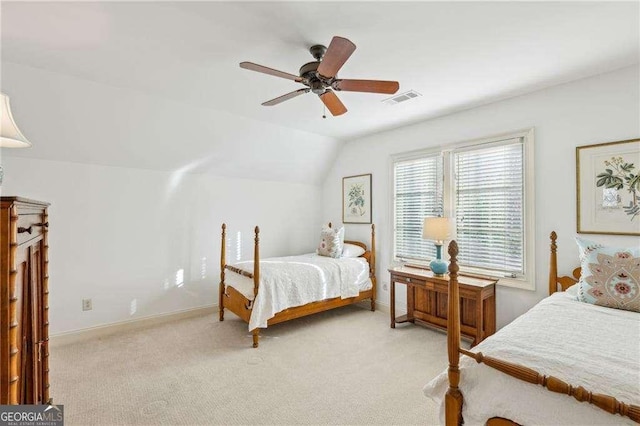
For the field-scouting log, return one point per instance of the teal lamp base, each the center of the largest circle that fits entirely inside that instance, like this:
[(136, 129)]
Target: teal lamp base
[(439, 266)]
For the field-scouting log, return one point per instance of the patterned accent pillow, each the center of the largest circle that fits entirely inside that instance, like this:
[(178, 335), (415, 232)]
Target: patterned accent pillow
[(331, 242), (610, 276)]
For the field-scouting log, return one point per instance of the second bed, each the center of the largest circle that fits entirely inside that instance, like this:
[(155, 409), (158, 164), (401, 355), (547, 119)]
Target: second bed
[(264, 292)]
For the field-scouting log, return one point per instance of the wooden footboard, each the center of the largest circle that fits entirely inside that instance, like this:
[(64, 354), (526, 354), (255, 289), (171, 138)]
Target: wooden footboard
[(454, 399), (236, 302)]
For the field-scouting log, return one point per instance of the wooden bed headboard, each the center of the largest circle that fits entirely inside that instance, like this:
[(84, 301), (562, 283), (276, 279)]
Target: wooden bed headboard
[(564, 281), (369, 253)]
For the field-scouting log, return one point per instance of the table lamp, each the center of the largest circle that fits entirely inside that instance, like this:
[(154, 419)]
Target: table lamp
[(437, 229), (10, 135)]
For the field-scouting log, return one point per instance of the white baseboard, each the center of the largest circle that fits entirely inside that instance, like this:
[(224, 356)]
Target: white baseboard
[(74, 336), (383, 307)]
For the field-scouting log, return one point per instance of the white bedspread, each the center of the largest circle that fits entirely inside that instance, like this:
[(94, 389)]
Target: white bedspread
[(585, 345), (291, 281)]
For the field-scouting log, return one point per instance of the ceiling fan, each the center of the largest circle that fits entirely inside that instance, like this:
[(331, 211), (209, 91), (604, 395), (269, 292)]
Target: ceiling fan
[(320, 76)]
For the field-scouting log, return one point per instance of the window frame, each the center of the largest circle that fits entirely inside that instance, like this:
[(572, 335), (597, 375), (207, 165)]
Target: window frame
[(527, 280)]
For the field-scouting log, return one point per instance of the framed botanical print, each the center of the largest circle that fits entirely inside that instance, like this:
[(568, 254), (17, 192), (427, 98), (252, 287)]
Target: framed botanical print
[(608, 188), (356, 199)]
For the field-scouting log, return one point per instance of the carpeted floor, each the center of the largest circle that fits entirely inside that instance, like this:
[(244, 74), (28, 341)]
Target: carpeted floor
[(344, 366)]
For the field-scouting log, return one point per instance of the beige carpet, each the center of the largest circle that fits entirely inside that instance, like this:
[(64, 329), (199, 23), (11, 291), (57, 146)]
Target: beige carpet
[(340, 367)]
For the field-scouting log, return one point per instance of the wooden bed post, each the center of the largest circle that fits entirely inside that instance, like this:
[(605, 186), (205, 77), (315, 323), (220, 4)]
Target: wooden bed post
[(453, 398), (373, 267), (256, 279), (223, 263), (554, 280), (553, 264)]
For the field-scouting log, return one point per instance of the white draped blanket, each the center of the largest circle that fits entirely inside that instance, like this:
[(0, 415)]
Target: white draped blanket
[(584, 345), (291, 281)]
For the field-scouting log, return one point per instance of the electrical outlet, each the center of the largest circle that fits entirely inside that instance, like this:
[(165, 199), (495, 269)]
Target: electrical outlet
[(86, 305), (385, 287)]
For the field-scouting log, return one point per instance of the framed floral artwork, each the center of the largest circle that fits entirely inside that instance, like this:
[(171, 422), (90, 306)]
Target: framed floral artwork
[(356, 199), (608, 188)]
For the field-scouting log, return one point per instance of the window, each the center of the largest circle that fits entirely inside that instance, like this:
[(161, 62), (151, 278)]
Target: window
[(419, 193), (489, 203), (488, 187)]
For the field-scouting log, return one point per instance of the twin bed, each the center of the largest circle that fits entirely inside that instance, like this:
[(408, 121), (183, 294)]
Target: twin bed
[(264, 292), (590, 354)]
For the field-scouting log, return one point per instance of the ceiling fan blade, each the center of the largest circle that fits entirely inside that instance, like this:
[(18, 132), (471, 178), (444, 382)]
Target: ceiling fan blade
[(286, 97), (266, 70), (370, 86), (336, 55), (333, 104)]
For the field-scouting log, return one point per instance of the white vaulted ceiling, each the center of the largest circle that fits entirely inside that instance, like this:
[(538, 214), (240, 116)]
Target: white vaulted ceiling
[(456, 54)]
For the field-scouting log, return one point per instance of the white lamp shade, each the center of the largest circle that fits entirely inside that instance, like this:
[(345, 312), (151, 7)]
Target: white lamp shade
[(10, 135), (437, 228)]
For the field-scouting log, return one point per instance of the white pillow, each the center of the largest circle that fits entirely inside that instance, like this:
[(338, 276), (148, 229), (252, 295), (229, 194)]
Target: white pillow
[(352, 250), (331, 242), (573, 290)]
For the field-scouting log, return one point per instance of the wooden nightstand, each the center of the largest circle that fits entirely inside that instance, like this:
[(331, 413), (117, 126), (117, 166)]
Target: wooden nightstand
[(427, 298)]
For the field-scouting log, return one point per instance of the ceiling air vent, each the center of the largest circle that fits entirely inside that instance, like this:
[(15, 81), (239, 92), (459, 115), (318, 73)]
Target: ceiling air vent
[(402, 97)]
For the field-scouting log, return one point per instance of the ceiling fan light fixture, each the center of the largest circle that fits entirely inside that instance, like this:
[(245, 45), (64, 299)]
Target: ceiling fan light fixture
[(316, 86)]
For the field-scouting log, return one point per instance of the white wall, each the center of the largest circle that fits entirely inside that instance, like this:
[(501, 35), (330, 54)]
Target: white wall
[(594, 110), (119, 235)]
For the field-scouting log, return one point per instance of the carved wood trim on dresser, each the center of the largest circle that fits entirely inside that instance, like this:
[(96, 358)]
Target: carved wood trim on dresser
[(24, 301)]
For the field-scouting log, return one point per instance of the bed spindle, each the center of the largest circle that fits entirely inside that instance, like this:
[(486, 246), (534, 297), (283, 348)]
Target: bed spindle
[(223, 264), (256, 262), (453, 397), (372, 267), (256, 279), (373, 249), (553, 264)]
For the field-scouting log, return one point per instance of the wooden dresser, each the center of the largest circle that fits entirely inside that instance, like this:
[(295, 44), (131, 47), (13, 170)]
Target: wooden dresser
[(24, 296), (428, 296)]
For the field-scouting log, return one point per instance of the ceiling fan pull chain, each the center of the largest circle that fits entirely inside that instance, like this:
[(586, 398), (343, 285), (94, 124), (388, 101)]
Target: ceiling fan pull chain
[(324, 111)]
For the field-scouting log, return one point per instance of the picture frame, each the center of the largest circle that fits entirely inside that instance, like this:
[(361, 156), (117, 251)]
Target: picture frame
[(356, 199), (608, 188)]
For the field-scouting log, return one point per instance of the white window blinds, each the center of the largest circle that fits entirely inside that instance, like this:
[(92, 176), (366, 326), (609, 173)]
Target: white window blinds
[(418, 193), (489, 207)]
